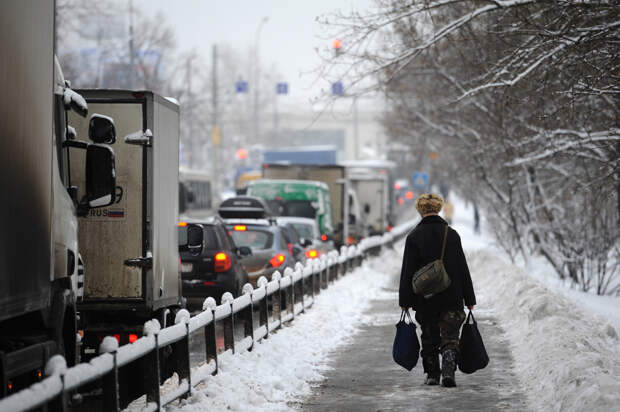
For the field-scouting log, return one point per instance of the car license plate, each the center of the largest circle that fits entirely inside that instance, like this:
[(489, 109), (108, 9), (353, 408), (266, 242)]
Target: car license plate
[(186, 267)]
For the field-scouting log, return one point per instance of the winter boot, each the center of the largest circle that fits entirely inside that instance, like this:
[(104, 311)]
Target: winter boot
[(431, 367), (448, 366)]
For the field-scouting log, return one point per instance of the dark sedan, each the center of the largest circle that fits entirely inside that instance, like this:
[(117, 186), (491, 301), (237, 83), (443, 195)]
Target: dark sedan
[(210, 261)]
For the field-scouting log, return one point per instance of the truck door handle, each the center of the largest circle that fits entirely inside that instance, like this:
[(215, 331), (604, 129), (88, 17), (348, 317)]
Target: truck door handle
[(140, 262)]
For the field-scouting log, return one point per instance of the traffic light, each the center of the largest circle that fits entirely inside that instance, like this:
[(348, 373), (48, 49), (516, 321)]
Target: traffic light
[(337, 45)]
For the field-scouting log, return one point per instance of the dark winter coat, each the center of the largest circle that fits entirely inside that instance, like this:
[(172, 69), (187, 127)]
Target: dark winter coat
[(423, 245)]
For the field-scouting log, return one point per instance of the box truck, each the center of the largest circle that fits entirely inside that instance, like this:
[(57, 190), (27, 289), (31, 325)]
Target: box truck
[(39, 255), (130, 248), (347, 223)]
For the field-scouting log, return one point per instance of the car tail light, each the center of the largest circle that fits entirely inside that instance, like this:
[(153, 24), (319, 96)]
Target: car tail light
[(389, 228), (182, 224), (409, 195), (133, 337), (350, 240), (222, 262), (311, 253), (324, 238), (400, 200), (117, 337), (290, 249), (240, 228), (277, 260)]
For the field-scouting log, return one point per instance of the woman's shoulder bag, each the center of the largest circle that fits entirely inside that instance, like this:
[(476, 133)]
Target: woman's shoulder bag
[(432, 278)]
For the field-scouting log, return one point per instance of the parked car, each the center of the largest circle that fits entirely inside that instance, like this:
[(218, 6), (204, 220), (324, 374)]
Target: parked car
[(210, 261), (250, 224), (309, 235)]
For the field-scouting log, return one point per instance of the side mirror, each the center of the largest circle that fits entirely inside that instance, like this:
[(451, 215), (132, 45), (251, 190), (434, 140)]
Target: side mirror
[(366, 208), (244, 251), (352, 219), (191, 238), (100, 176), (305, 242), (101, 129)]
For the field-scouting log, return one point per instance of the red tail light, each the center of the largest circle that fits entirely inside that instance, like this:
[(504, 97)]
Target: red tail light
[(409, 195), (350, 240), (277, 260), (240, 228), (400, 200), (133, 337), (311, 253), (290, 248), (118, 338), (222, 262), (324, 238), (389, 228)]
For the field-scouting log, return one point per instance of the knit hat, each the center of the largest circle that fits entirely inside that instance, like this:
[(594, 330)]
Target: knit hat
[(429, 203)]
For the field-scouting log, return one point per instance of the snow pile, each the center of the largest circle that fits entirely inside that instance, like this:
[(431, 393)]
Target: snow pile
[(283, 368), (567, 359)]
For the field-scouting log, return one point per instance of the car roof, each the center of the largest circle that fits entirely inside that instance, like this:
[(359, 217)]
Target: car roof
[(315, 183), (254, 222), (295, 219), (211, 220)]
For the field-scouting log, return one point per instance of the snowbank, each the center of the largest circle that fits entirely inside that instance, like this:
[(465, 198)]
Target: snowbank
[(282, 368), (567, 359)]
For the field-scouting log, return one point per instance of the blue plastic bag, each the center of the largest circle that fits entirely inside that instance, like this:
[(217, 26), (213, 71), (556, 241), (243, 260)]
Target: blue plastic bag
[(406, 349)]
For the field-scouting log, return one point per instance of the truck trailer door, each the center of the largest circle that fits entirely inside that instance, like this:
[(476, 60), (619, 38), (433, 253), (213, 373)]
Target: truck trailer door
[(108, 236)]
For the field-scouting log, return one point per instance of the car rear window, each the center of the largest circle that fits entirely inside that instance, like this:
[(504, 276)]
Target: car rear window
[(304, 231), (211, 238), (254, 239)]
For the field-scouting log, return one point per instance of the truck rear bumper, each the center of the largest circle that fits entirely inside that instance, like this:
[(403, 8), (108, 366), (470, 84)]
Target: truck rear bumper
[(21, 362)]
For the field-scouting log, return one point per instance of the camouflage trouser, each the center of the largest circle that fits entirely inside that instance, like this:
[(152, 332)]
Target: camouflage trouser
[(440, 330)]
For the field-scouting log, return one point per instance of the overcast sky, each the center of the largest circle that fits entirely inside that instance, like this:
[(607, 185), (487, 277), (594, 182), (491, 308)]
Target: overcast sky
[(287, 41)]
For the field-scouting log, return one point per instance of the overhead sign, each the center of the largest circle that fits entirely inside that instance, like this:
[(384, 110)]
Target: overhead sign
[(282, 88), (241, 86), (419, 180), (337, 89)]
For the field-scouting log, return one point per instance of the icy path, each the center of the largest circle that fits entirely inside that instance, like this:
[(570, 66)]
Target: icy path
[(283, 368), (363, 376)]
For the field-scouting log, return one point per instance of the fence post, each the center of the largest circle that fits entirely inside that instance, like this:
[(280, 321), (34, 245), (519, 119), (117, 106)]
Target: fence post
[(110, 379), (248, 315), (152, 376), (180, 352), (57, 365), (300, 268), (263, 307), (277, 302), (229, 323), (210, 338), (313, 267), (291, 293)]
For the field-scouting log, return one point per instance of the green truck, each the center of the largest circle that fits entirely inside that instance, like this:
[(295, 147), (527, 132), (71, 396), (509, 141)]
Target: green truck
[(304, 198)]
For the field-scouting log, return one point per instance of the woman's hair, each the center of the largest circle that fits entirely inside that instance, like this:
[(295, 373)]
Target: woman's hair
[(429, 203)]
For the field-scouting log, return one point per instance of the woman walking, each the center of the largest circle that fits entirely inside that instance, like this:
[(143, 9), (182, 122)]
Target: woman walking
[(441, 315)]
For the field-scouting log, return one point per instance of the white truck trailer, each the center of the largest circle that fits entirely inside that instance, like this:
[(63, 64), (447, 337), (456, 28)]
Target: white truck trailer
[(39, 256), (130, 248)]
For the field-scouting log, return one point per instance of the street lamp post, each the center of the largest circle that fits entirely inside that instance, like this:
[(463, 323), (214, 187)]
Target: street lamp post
[(256, 78)]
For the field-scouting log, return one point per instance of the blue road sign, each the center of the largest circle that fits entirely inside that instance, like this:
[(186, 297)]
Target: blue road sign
[(337, 89), (419, 180), (282, 88), (241, 86)]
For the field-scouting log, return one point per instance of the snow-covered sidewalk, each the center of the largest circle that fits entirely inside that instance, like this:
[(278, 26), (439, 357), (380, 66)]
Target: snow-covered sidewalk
[(283, 368), (567, 355)]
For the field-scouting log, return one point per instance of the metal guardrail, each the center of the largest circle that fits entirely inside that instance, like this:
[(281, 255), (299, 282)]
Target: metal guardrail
[(296, 289)]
